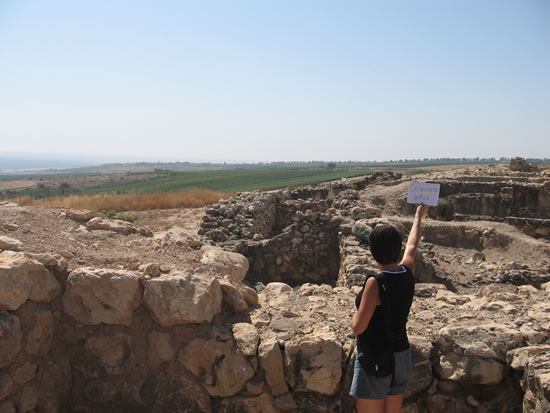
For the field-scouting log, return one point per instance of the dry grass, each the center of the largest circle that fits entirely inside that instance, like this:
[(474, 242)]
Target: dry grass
[(189, 198)]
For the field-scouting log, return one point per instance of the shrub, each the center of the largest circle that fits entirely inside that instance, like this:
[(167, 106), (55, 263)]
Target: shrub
[(128, 217)]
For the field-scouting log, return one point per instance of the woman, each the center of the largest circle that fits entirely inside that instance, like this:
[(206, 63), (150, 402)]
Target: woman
[(385, 394)]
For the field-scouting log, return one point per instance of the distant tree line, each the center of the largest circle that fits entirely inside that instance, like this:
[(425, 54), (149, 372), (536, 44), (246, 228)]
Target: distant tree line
[(41, 191)]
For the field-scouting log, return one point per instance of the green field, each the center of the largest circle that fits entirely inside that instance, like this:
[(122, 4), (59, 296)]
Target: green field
[(231, 180)]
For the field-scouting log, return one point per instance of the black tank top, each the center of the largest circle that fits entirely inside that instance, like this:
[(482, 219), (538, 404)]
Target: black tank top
[(400, 293)]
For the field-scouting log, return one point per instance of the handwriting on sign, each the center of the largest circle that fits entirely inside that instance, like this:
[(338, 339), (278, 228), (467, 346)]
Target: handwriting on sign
[(423, 193)]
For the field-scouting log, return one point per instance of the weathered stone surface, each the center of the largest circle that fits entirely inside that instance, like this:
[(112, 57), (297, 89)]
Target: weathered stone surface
[(11, 338), (260, 404), (247, 338), (25, 373), (54, 380), (22, 279), (361, 230), (285, 402), (95, 296), (313, 363), (81, 215), (6, 385), (40, 336), (222, 370), (490, 340), (99, 391), (115, 225), (160, 346), (152, 269), (271, 360), (224, 262), (183, 298), (28, 399), (7, 407), (7, 243), (112, 352), (232, 296), (470, 370), (421, 375)]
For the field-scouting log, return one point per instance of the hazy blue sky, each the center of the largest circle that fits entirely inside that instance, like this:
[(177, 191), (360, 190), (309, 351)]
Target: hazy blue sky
[(276, 80)]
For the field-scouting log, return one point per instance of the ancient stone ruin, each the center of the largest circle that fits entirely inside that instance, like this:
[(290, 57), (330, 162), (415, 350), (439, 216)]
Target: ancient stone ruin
[(253, 316)]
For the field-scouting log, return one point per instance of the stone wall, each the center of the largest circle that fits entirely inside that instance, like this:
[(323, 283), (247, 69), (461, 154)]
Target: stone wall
[(111, 340)]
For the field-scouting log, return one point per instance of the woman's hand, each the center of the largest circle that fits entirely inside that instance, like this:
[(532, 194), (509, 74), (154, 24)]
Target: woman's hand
[(421, 210)]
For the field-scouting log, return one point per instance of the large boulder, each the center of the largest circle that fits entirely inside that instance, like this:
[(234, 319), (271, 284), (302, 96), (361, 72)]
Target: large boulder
[(224, 262), (314, 362), (22, 279), (95, 296), (185, 298), (222, 370)]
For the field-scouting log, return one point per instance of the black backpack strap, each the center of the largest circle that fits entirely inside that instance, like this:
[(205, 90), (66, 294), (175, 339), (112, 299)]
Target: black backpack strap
[(385, 302)]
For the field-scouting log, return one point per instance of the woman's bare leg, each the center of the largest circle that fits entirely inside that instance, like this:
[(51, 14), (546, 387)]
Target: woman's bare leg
[(369, 406), (392, 404)]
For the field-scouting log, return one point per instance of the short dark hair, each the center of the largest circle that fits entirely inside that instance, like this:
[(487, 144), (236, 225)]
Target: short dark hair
[(385, 244)]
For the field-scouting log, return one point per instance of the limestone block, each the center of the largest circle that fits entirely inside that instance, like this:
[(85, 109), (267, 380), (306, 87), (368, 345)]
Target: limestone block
[(94, 296), (183, 298), (152, 269), (222, 370), (361, 230), (313, 362), (247, 338), (232, 296), (7, 243), (470, 370), (11, 338), (249, 294), (40, 336), (81, 215), (271, 360), (22, 279), (160, 345), (519, 358), (491, 340), (224, 262), (421, 375), (112, 352), (115, 225)]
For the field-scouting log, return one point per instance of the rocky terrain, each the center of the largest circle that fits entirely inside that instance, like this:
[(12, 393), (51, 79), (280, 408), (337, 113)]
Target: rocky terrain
[(244, 306)]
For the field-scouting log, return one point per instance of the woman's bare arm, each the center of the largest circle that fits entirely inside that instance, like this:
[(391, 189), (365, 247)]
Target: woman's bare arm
[(414, 237), (369, 300)]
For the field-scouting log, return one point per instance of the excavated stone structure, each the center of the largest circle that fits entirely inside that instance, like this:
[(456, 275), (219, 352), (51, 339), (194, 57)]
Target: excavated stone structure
[(262, 323)]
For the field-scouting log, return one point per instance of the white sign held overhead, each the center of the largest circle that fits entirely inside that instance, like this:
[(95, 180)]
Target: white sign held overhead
[(423, 193)]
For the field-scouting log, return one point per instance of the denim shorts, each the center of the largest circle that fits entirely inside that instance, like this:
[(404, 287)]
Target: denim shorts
[(376, 388)]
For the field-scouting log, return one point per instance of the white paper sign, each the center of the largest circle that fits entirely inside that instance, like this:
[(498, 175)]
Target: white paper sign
[(423, 193)]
